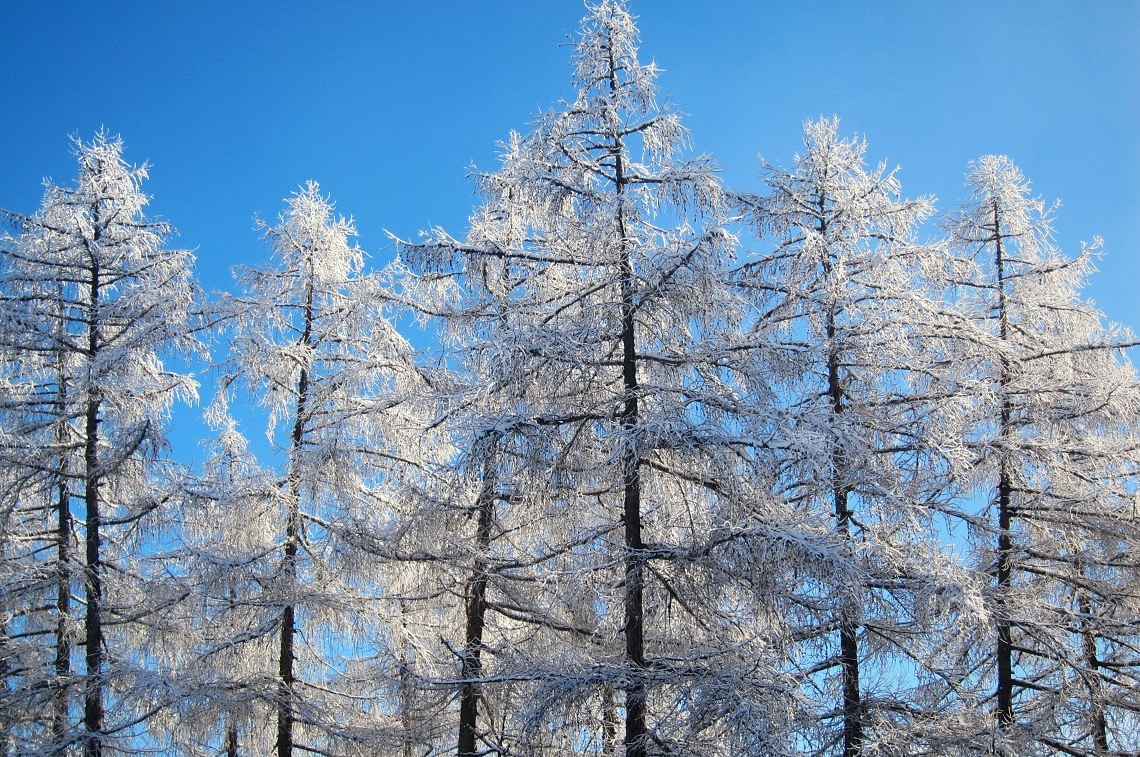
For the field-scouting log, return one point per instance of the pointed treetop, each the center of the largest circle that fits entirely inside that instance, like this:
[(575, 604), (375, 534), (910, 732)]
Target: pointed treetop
[(310, 234), (606, 56)]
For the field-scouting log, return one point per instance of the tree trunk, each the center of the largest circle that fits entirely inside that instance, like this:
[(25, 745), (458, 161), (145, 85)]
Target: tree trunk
[(63, 612), (635, 689), (609, 723), (1099, 725), (848, 620), (407, 721), (285, 674), (63, 559), (93, 567), (232, 737), (5, 728), (1004, 663), (469, 692), (285, 654), (93, 622)]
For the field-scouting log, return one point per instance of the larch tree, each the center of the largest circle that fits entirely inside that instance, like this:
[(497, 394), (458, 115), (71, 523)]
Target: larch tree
[(222, 557), (1055, 451), (852, 302), (94, 302), (623, 527), (38, 533), (310, 341)]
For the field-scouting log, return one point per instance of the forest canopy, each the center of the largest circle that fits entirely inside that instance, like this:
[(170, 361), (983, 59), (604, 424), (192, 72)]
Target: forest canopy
[(635, 463)]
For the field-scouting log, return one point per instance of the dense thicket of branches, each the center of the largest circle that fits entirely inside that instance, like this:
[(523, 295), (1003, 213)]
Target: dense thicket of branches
[(809, 468)]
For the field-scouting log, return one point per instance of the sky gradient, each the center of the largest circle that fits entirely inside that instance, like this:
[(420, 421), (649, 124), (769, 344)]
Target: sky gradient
[(389, 104)]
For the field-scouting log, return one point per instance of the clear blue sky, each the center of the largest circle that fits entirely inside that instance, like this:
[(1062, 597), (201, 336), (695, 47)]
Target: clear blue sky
[(387, 104)]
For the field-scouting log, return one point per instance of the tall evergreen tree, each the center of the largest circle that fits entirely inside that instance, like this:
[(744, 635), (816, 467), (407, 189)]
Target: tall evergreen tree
[(94, 301), (1056, 456), (629, 521), (851, 301), (311, 343)]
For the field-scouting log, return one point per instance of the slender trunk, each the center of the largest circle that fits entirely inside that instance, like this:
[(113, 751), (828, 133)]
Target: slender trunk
[(470, 690), (853, 726), (285, 654), (285, 673), (93, 625), (63, 613), (1099, 725), (93, 566), (407, 722), (63, 568), (635, 689), (848, 620), (609, 723), (232, 737), (5, 728), (1004, 689)]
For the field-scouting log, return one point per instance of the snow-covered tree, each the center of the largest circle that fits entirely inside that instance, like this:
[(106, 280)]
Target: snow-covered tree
[(1056, 452), (37, 532), (223, 636), (850, 335), (93, 301), (310, 341), (618, 517)]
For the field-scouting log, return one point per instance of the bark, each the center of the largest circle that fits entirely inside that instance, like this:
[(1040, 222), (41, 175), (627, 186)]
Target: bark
[(470, 690), (848, 617), (5, 728), (232, 738), (848, 621), (1004, 663), (62, 663), (285, 672), (609, 723), (1099, 724), (63, 612), (93, 566), (633, 584), (635, 689), (407, 721)]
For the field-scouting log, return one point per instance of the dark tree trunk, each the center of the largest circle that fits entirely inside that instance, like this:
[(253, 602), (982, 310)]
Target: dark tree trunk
[(93, 566), (63, 612), (5, 728), (1004, 663), (59, 714), (1099, 724), (232, 738), (285, 654), (62, 663), (634, 580), (609, 723), (285, 674), (470, 690), (407, 719), (852, 708), (635, 690), (848, 621)]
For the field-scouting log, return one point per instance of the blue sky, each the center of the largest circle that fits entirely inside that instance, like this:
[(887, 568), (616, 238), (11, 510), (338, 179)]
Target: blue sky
[(388, 104)]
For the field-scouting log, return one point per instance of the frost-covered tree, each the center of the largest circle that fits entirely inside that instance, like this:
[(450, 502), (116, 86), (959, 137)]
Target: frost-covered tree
[(93, 301), (224, 634), (310, 341), (850, 335), (1055, 446), (618, 517), (37, 532)]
